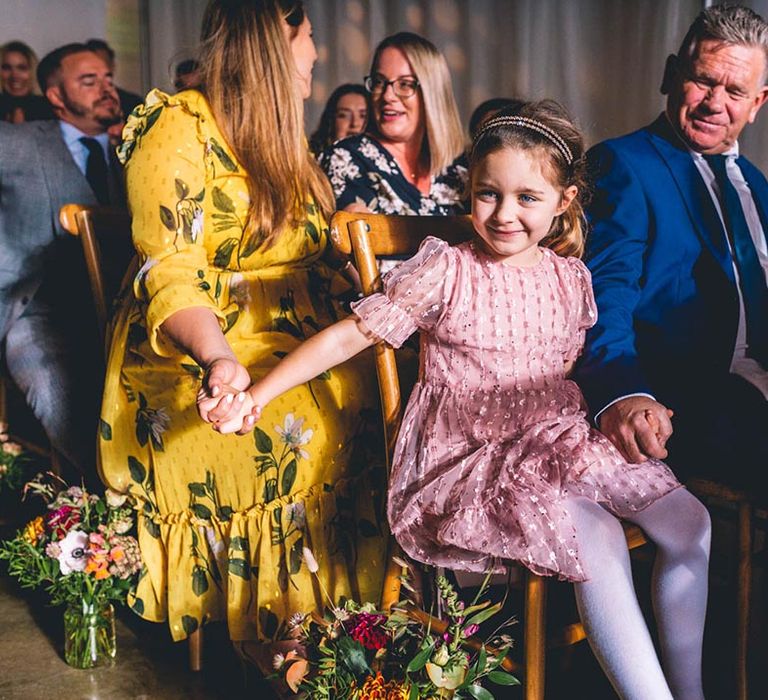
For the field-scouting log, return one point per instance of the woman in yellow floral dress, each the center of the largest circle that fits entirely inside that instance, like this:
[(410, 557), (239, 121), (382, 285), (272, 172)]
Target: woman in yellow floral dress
[(229, 222)]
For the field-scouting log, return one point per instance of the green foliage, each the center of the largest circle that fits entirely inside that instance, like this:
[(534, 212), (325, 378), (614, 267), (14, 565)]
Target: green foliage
[(355, 650)]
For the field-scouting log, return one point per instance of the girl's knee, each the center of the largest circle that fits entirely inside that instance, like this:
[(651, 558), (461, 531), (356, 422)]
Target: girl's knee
[(692, 528)]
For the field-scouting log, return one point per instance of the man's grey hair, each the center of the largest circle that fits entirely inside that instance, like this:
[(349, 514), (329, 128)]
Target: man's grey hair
[(735, 25)]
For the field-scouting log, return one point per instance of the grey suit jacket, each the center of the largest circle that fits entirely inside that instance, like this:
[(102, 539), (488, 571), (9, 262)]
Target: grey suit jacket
[(37, 176)]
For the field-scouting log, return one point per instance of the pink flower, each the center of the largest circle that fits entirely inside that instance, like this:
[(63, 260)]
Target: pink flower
[(60, 521), (366, 628), (73, 555), (470, 630)]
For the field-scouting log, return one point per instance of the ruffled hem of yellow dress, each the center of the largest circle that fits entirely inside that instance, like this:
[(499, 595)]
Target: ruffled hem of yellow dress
[(239, 566)]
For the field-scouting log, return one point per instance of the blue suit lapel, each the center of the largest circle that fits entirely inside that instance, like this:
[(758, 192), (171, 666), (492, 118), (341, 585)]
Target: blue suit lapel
[(694, 192)]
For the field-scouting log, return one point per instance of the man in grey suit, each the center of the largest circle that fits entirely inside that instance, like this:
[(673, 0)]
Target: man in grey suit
[(43, 299)]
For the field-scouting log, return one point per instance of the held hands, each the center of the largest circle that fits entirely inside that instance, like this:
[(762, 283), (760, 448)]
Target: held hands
[(639, 427), (223, 376), (236, 412)]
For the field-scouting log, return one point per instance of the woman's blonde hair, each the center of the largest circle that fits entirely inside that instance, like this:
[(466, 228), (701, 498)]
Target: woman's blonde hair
[(249, 80), (29, 54), (546, 128), (445, 137)]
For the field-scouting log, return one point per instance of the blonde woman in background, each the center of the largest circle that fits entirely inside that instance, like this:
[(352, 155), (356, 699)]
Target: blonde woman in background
[(229, 220), (20, 100), (410, 160)]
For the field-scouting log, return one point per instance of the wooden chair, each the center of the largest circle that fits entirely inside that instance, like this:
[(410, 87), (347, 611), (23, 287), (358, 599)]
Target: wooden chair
[(716, 494), (106, 233), (363, 237)]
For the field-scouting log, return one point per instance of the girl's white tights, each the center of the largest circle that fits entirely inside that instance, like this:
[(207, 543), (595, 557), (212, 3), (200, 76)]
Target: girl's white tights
[(679, 526)]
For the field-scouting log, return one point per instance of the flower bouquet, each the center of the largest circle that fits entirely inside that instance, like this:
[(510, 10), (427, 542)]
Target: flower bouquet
[(12, 461), (80, 552), (357, 652)]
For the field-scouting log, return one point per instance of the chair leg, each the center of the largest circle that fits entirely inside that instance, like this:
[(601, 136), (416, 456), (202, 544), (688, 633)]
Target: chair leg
[(534, 645), (195, 642), (744, 584)]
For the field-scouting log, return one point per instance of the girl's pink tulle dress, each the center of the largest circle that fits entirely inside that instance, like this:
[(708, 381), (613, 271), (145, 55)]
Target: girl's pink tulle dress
[(494, 437)]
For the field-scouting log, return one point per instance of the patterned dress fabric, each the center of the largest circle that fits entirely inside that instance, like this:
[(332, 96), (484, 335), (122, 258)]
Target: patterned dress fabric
[(222, 518), (494, 438), (362, 171)]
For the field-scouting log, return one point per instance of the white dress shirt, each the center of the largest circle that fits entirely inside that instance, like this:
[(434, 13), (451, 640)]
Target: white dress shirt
[(72, 136)]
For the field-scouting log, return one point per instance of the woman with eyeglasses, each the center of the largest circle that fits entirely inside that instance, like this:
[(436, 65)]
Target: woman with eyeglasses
[(410, 160)]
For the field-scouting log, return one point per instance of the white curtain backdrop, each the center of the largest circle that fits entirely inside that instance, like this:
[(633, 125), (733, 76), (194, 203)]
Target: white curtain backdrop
[(603, 59)]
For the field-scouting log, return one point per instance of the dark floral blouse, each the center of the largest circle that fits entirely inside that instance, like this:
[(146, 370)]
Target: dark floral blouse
[(362, 170)]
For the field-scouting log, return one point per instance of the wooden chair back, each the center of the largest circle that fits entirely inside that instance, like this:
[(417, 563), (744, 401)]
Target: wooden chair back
[(105, 234), (363, 238)]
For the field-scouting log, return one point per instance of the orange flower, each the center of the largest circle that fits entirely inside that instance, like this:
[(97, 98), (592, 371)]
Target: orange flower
[(33, 530), (376, 688)]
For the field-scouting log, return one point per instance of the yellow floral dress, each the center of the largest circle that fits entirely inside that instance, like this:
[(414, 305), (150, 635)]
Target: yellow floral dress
[(223, 519)]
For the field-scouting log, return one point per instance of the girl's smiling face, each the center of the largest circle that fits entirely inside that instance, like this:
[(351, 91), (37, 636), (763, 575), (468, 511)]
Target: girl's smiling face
[(514, 204)]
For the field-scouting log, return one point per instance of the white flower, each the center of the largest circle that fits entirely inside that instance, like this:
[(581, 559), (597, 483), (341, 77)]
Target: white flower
[(341, 169), (149, 263), (297, 514), (122, 525), (73, 555), (372, 152), (292, 435), (114, 498), (158, 420), (239, 290), (309, 560), (217, 546), (277, 661), (12, 448), (197, 224), (296, 620)]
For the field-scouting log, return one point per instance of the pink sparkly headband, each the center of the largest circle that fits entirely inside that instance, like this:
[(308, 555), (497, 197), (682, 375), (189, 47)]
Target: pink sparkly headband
[(533, 125)]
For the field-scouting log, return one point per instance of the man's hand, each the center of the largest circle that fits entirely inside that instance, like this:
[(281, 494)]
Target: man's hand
[(639, 427)]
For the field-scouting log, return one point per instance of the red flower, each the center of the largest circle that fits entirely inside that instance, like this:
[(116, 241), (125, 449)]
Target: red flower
[(60, 521), (366, 629)]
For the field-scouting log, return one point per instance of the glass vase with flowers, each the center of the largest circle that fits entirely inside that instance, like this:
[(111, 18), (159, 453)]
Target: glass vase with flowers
[(80, 551)]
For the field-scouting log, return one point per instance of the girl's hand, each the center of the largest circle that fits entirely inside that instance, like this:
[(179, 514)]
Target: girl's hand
[(237, 415), (223, 377)]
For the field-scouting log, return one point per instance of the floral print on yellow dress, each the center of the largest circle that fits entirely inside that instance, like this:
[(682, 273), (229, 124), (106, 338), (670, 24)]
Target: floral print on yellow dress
[(223, 519)]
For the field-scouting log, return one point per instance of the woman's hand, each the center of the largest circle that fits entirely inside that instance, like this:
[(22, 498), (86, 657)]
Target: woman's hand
[(222, 376)]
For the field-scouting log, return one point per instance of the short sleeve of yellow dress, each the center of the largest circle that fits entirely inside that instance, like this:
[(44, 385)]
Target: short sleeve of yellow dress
[(222, 518)]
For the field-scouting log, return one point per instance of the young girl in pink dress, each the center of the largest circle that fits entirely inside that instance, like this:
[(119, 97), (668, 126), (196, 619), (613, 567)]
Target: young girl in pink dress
[(495, 459)]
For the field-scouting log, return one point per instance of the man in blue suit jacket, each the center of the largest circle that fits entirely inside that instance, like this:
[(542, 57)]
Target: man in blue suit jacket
[(669, 356)]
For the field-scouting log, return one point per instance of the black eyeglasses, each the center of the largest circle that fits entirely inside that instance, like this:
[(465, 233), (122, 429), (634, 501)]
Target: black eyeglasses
[(403, 87)]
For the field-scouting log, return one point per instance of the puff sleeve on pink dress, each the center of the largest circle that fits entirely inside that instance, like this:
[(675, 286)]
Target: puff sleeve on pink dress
[(494, 438)]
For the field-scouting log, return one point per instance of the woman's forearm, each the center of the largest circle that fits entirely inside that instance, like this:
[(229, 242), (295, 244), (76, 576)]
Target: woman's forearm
[(196, 331), (330, 347)]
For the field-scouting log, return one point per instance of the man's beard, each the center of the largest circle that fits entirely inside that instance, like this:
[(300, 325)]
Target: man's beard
[(80, 110)]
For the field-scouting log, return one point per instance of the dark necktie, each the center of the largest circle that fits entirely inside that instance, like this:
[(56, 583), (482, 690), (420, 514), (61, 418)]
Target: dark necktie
[(96, 171), (754, 291)]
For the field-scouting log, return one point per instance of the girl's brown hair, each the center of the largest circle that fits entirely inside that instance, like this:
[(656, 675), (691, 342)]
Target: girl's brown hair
[(550, 131), (249, 80)]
